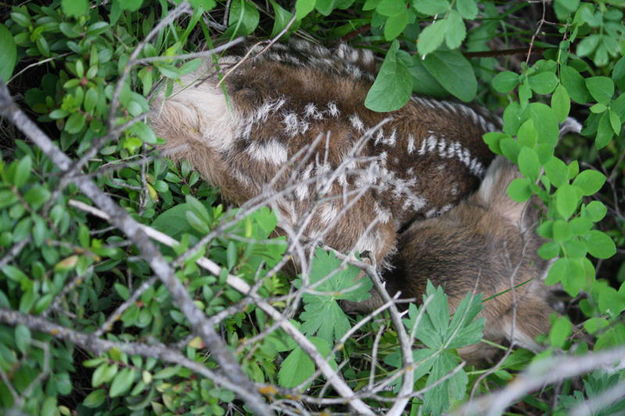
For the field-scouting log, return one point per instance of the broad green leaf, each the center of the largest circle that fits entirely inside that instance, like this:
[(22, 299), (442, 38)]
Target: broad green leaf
[(432, 37), (454, 72), (505, 81), (596, 211), (467, 8), (557, 172), (281, 18), (615, 122), (543, 82), (549, 250), (75, 8), (395, 25), (130, 5), (605, 132), (561, 103), (431, 7), (122, 382), (95, 399), (574, 84), (546, 123), (422, 81), (519, 190), (528, 162), (243, 18), (303, 8), (588, 44), (589, 181), (144, 132), (391, 7), (22, 171), (393, 85), (8, 53), (601, 88), (325, 7), (75, 123), (456, 31), (560, 331), (22, 338), (438, 399), (567, 199), (600, 245)]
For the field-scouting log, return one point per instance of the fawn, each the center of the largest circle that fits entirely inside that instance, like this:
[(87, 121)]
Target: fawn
[(290, 124)]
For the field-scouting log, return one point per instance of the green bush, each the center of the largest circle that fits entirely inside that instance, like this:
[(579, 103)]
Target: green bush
[(95, 323)]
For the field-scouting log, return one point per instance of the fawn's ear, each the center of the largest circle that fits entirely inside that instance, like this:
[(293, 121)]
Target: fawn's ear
[(493, 192)]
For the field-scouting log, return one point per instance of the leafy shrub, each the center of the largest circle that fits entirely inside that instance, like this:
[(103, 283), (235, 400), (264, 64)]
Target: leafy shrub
[(91, 327)]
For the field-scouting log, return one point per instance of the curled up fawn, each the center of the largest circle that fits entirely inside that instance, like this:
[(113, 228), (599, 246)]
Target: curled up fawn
[(289, 123)]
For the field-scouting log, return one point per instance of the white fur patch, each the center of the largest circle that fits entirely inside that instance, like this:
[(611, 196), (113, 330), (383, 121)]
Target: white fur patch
[(270, 152)]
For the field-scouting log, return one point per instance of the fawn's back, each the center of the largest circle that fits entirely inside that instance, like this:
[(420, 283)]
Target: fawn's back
[(290, 122)]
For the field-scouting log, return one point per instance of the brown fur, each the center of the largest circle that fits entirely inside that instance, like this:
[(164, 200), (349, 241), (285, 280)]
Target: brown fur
[(484, 245), (412, 165)]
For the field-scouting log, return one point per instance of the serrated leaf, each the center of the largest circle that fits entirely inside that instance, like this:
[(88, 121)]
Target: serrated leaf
[(467, 8), (431, 37), (298, 366), (456, 30)]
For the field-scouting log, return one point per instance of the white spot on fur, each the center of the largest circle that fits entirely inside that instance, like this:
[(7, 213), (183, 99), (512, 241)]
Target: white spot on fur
[(270, 152), (357, 123)]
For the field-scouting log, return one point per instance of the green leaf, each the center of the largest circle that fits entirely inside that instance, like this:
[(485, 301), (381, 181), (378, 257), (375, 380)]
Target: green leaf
[(601, 89), (454, 72), (557, 172), (567, 199), (393, 85), (431, 37), (22, 171), (75, 123), (75, 8), (467, 8), (395, 25), (298, 366), (604, 131), (549, 250), (519, 190), (49, 407), (596, 211), (560, 331), (8, 53), (391, 8), (336, 282), (574, 84), (22, 338), (281, 18), (456, 31), (543, 82), (431, 7), (131, 5), (600, 245), (122, 382), (589, 181), (505, 81), (95, 399), (303, 7), (615, 122), (325, 7), (422, 81), (561, 103), (144, 132), (243, 18), (528, 162)]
